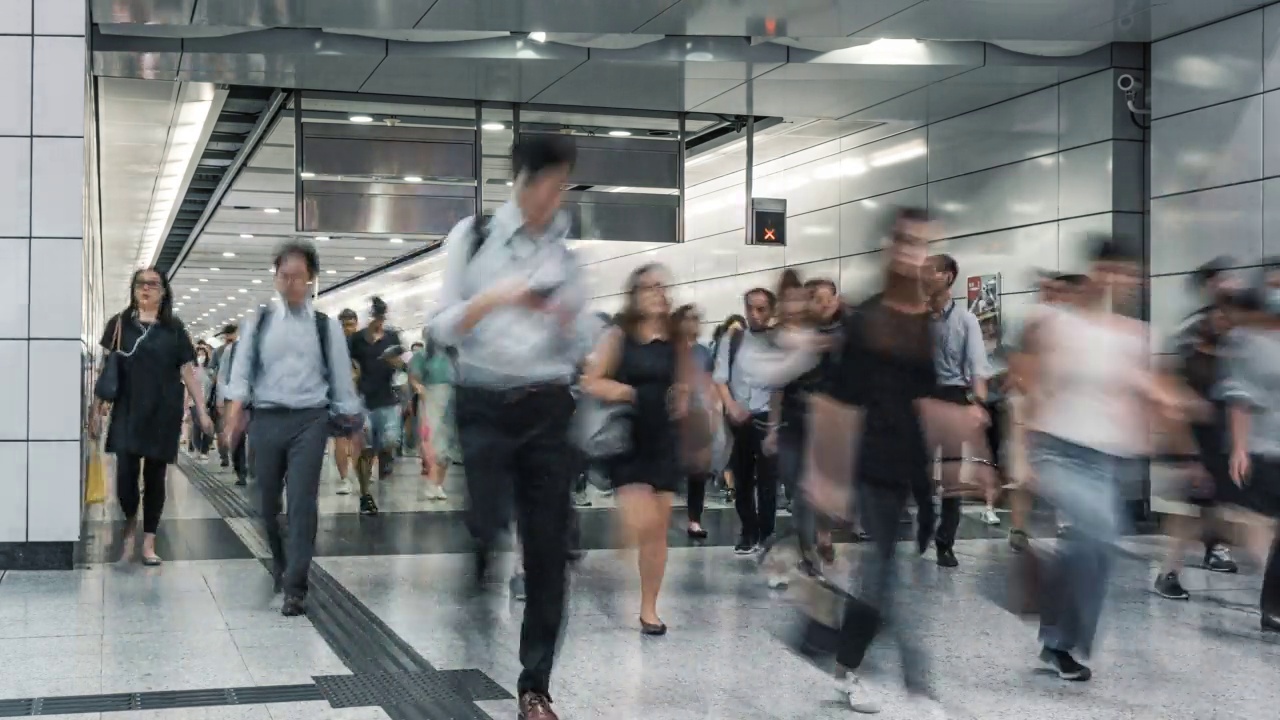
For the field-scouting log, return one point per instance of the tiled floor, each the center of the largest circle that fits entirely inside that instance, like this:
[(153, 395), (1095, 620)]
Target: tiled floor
[(213, 623)]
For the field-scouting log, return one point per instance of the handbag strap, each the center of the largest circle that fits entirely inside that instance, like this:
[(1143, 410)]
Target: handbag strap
[(116, 340)]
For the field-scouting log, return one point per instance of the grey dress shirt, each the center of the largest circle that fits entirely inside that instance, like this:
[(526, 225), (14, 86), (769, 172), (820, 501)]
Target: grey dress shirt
[(959, 352), (752, 395), (514, 346), (291, 370), (1251, 380)]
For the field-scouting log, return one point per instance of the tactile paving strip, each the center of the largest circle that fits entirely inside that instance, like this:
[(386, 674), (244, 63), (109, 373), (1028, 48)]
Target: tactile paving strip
[(428, 689), (169, 700)]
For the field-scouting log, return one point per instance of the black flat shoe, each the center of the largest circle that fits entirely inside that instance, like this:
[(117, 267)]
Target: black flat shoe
[(1271, 622), (293, 607), (699, 534), (654, 629)]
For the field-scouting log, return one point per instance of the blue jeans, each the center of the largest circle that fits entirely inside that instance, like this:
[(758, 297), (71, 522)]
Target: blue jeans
[(383, 428), (1082, 484)]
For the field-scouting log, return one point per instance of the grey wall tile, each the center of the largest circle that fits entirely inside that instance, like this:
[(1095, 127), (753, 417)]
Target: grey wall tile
[(1021, 128), (1189, 230), (1025, 193), (1213, 64), (1207, 148)]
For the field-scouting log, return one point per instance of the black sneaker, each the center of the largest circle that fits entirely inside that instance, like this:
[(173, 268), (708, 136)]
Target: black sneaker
[(745, 546), (947, 558), (516, 586), (1065, 665), (367, 506), (1018, 540), (1167, 586), (293, 607), (241, 481), (1218, 559)]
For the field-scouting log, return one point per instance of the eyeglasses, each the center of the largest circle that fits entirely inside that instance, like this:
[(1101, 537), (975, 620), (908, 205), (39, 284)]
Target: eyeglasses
[(293, 278), (148, 285), (643, 287)]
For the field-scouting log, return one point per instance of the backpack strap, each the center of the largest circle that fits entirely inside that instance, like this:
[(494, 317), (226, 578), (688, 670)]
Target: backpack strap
[(322, 334), (255, 346), (735, 344), (479, 233)]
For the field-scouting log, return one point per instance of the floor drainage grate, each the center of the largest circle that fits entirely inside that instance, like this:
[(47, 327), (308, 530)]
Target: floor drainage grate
[(168, 700), (430, 688)]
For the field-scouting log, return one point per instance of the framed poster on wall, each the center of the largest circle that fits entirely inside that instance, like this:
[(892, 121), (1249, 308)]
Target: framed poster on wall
[(984, 303)]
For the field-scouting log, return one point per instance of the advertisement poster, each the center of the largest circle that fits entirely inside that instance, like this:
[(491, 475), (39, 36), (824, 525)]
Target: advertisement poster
[(984, 302)]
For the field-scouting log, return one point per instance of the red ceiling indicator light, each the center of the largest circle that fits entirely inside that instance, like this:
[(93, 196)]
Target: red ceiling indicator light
[(771, 27), (770, 235)]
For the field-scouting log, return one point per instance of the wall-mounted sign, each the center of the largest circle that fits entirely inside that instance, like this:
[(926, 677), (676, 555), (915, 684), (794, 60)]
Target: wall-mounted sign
[(768, 222)]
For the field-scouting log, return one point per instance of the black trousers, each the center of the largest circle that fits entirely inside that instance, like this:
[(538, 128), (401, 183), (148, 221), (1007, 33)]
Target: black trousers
[(151, 497), (945, 532), (515, 449), (697, 494), (1271, 581), (755, 478)]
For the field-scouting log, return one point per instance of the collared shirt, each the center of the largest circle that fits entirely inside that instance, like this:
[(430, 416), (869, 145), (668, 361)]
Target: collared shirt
[(1251, 380), (291, 371), (959, 352), (754, 396), (514, 346), (224, 361)]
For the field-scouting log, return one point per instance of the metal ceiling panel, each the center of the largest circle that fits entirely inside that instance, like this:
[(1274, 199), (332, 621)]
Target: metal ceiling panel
[(312, 13), (279, 157), (265, 180), (775, 18), (283, 58), (498, 70), (827, 91), (143, 12), (140, 58), (569, 16), (673, 74)]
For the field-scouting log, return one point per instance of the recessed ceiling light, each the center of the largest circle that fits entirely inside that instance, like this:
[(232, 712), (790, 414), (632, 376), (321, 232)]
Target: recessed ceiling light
[(246, 236), (201, 280), (195, 289), (242, 290), (538, 36), (231, 297), (222, 304), (323, 238), (271, 211), (215, 269), (181, 304), (331, 272), (187, 297), (493, 126), (509, 183), (308, 174), (257, 281), (250, 311), (360, 118), (620, 133), (240, 315), (228, 254), (412, 179), (397, 240), (359, 258)]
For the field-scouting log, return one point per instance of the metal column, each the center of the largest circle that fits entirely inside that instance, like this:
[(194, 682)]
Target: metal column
[(479, 161), (297, 160), (680, 159)]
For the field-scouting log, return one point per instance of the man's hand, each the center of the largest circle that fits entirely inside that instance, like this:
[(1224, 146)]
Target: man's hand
[(1239, 466), (206, 422), (737, 414), (232, 424)]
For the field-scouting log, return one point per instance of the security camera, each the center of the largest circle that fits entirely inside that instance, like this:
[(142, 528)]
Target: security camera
[(1128, 83)]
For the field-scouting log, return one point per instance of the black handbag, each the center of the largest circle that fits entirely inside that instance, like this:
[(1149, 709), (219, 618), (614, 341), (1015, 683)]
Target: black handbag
[(107, 386)]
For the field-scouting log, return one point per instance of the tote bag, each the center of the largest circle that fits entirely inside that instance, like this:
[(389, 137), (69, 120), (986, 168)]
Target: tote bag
[(831, 446)]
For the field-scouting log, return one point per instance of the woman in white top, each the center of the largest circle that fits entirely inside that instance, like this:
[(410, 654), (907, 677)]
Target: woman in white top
[(1088, 390)]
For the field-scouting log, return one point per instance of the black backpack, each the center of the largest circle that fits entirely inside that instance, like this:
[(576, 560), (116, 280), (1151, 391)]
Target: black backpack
[(479, 233)]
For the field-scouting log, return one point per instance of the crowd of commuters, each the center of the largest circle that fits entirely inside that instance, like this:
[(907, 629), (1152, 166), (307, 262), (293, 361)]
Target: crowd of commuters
[(515, 374)]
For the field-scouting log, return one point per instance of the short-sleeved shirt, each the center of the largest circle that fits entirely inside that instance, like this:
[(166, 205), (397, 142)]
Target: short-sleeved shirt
[(960, 353), (433, 369), (1251, 379), (885, 366), (146, 418), (376, 374)]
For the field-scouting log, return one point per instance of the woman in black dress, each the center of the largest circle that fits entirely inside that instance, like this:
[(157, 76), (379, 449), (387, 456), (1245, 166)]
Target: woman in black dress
[(157, 360), (638, 363)]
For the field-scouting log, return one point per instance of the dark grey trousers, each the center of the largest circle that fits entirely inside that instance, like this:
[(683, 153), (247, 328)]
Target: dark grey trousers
[(290, 443)]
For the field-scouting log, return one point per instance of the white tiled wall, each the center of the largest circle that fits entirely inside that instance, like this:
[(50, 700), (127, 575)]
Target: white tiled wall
[(42, 154), (1215, 153), (1016, 186)]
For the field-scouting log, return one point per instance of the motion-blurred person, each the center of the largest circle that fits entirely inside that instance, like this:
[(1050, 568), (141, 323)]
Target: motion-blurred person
[(156, 361), (960, 358), (1087, 412), (685, 323), (639, 363), (1250, 389), (746, 406), (347, 447), (1197, 347), (886, 369), (512, 305), (376, 351), (294, 375), (723, 332), (227, 335), (201, 440), (432, 372), (237, 452)]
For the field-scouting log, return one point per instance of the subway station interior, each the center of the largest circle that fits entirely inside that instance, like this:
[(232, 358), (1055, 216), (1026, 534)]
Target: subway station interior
[(726, 141)]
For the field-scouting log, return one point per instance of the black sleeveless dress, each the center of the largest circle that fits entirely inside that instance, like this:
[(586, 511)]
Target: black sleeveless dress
[(650, 368)]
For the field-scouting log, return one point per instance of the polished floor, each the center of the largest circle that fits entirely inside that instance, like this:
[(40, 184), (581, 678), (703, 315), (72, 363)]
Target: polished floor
[(206, 619)]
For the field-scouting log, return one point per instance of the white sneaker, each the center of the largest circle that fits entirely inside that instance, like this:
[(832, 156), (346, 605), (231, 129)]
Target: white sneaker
[(344, 486), (777, 581), (862, 697), (435, 492), (990, 517)]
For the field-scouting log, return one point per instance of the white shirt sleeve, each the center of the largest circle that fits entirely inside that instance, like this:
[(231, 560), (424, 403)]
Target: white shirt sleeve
[(453, 300)]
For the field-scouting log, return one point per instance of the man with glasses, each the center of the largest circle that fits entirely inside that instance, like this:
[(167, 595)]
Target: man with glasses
[(294, 373), (513, 305), (746, 404)]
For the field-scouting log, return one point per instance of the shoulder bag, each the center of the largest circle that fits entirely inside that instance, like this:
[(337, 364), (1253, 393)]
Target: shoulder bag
[(107, 386)]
